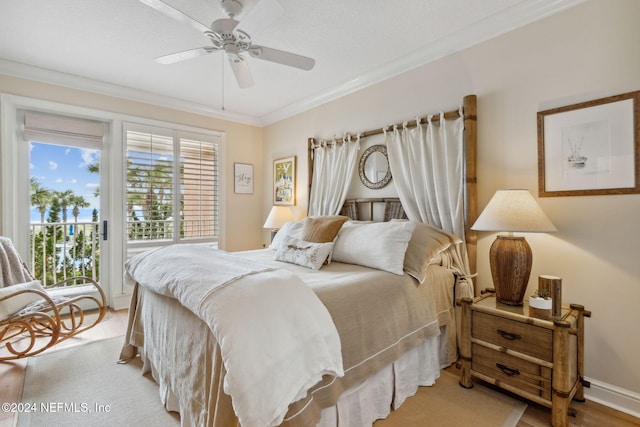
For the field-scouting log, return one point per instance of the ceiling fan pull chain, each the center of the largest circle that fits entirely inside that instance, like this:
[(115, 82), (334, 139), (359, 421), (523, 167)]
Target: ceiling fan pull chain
[(222, 74)]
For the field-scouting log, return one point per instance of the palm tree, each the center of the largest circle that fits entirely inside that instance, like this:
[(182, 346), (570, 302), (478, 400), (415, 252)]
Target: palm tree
[(95, 168), (64, 200), (40, 197), (149, 186), (77, 202)]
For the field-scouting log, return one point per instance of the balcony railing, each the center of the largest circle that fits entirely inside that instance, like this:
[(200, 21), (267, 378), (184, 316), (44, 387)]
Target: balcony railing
[(163, 229), (63, 250), (67, 249)]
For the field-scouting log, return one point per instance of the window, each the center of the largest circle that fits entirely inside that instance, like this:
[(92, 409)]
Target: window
[(172, 186)]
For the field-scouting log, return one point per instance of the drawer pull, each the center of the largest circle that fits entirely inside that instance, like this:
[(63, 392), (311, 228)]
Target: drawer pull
[(507, 370), (508, 335)]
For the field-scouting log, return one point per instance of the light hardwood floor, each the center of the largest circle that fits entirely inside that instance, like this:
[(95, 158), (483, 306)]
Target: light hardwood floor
[(588, 414)]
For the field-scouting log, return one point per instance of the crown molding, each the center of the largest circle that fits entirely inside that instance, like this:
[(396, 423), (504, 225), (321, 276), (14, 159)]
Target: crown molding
[(502, 22), (71, 81)]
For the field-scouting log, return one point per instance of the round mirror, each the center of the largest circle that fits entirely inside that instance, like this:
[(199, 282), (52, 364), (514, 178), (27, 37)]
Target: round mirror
[(374, 167)]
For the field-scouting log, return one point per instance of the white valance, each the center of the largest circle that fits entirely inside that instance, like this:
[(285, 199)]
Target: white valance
[(62, 130)]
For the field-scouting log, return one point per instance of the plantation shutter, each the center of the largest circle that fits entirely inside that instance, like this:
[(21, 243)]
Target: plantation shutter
[(172, 186), (63, 130), (150, 195), (199, 188)]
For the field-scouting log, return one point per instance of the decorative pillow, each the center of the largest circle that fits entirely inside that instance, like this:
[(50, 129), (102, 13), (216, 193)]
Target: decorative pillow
[(322, 229), (379, 245), (293, 229), (300, 252), (425, 246), (16, 303)]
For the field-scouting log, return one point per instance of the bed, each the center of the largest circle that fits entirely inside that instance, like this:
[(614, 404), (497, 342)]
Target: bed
[(273, 337)]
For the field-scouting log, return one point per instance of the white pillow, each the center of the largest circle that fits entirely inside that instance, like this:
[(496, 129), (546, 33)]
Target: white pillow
[(17, 303), (379, 245), (293, 229), (300, 252)]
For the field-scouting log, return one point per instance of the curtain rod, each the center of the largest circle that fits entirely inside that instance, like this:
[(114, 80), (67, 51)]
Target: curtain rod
[(410, 124)]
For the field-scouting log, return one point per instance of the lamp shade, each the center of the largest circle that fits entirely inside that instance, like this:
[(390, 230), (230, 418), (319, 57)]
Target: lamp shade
[(513, 210), (278, 217)]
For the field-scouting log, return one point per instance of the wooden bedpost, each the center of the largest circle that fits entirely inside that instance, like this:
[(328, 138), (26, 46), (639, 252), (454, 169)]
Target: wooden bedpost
[(310, 142), (471, 180)]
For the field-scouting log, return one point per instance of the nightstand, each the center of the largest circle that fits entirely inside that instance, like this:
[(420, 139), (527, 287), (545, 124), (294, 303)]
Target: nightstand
[(540, 360)]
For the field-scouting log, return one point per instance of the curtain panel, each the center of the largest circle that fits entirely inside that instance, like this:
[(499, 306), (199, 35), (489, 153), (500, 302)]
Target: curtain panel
[(333, 167), (427, 165)]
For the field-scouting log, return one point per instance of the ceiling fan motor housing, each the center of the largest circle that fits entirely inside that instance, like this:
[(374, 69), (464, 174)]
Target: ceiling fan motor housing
[(232, 7)]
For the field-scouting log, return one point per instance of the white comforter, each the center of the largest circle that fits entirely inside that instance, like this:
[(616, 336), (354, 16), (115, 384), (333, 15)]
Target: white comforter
[(276, 338)]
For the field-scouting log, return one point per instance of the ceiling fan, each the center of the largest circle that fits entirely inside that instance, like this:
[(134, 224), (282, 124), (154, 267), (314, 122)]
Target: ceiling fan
[(232, 37)]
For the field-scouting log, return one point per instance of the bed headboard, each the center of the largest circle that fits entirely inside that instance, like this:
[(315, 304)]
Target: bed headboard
[(392, 208), (373, 209)]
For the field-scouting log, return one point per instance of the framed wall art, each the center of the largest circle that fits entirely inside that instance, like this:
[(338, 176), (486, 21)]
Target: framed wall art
[(284, 181), (243, 178), (591, 148)]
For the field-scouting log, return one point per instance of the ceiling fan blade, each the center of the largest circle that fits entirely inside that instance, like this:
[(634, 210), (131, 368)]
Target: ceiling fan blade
[(184, 55), (241, 71), (263, 14), (174, 13), (282, 57)]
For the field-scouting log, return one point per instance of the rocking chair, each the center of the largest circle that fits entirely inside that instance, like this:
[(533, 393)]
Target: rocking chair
[(33, 317)]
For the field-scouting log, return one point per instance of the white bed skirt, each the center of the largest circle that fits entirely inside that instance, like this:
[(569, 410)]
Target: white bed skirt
[(373, 399)]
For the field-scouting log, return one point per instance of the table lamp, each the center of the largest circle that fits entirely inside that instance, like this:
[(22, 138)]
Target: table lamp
[(278, 217), (510, 257)]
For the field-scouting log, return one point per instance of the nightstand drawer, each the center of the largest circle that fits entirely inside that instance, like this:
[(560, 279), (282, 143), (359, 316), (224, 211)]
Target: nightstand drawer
[(518, 336), (526, 376)]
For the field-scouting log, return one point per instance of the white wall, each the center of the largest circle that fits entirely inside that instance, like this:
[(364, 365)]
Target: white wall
[(584, 53)]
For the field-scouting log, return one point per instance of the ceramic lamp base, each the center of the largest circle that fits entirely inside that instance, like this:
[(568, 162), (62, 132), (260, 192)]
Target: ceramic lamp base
[(510, 259)]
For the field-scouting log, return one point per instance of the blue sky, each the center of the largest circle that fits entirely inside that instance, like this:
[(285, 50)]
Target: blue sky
[(60, 168)]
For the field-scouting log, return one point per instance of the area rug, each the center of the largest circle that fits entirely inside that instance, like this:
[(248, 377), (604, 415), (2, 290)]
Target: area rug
[(446, 404), (85, 386)]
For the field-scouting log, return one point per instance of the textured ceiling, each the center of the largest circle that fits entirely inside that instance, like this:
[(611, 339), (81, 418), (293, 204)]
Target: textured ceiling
[(109, 46)]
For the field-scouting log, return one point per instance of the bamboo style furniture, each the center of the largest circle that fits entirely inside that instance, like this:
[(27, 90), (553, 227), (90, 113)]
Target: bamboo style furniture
[(540, 360), (59, 315), (35, 318)]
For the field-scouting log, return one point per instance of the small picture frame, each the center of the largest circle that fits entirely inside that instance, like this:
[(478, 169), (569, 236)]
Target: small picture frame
[(284, 181), (590, 148), (243, 178)]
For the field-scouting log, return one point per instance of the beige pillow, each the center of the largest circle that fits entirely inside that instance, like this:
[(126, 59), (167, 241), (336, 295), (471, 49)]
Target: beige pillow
[(322, 229), (426, 243)]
